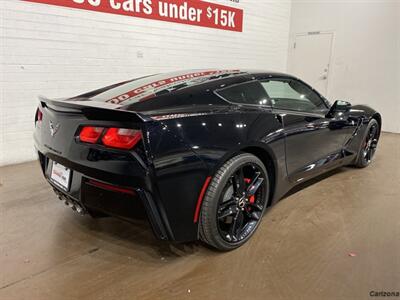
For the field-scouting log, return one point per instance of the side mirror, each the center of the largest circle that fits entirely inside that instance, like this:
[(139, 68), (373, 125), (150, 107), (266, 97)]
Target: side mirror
[(339, 107)]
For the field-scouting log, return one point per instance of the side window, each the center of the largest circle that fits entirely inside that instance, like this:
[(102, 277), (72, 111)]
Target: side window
[(245, 93), (292, 95)]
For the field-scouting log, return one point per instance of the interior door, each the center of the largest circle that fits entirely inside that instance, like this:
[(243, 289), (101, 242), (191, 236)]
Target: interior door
[(310, 59)]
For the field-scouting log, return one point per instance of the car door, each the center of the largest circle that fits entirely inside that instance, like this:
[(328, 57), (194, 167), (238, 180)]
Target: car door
[(313, 142)]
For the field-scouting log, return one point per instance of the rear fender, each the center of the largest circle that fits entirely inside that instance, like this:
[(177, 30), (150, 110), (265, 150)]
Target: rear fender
[(177, 174)]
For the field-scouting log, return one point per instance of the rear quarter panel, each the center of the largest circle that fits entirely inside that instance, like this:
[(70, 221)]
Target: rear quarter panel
[(186, 151)]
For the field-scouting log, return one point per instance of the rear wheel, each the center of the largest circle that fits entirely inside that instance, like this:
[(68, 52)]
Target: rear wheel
[(234, 203), (369, 145)]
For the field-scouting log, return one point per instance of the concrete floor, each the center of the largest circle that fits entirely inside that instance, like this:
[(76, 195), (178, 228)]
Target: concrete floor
[(301, 250)]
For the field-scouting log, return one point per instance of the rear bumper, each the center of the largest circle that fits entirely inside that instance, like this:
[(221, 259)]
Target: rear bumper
[(97, 194)]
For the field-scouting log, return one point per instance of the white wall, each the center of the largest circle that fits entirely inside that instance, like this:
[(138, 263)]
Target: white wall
[(59, 52), (365, 68), (398, 63)]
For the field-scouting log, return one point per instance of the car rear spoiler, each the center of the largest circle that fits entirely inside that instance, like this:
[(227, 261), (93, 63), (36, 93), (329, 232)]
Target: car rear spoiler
[(93, 110)]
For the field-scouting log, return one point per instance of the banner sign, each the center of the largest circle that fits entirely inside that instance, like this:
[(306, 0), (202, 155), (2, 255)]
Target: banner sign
[(191, 12)]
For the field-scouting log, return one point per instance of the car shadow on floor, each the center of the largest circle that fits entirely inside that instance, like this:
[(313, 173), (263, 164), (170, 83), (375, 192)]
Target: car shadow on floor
[(314, 180), (125, 239), (122, 238)]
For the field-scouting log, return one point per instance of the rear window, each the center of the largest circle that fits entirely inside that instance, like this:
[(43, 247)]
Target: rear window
[(245, 93), (150, 87)]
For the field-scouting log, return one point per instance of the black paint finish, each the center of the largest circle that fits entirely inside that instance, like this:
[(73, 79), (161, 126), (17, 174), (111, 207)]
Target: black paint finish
[(188, 133)]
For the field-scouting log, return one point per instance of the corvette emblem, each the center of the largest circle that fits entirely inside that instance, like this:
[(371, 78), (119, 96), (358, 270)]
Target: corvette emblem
[(54, 128)]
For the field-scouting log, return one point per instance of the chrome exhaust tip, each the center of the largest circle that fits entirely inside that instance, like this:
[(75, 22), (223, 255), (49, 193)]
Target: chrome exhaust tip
[(74, 205)]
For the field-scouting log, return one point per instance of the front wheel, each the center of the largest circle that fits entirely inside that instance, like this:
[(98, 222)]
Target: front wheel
[(234, 203), (369, 145)]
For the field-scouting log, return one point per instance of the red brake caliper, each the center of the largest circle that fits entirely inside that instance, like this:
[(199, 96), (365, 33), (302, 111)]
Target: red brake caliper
[(252, 198)]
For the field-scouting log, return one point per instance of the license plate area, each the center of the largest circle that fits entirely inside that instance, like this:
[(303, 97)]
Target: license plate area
[(60, 176)]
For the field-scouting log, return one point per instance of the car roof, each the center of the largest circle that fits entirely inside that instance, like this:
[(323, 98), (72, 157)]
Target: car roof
[(187, 87)]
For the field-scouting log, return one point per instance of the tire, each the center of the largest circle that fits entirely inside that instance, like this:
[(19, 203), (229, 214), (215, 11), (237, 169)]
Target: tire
[(221, 199), (369, 144)]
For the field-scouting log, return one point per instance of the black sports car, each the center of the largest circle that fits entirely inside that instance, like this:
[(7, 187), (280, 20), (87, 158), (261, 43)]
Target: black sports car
[(201, 153)]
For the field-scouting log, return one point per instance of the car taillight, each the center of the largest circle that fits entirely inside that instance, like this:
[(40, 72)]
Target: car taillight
[(121, 138), (90, 134), (39, 116)]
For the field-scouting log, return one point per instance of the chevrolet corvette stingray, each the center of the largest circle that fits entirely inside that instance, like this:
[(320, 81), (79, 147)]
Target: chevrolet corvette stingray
[(202, 154)]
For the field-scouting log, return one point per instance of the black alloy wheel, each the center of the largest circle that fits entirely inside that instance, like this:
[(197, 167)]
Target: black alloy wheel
[(234, 203), (369, 145)]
